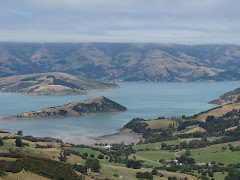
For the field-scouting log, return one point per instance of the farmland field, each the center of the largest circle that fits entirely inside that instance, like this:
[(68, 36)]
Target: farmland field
[(155, 155), (160, 123)]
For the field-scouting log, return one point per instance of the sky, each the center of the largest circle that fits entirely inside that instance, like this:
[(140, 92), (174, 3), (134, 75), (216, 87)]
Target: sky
[(158, 21)]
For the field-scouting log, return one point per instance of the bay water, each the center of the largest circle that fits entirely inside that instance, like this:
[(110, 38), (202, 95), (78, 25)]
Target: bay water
[(147, 100)]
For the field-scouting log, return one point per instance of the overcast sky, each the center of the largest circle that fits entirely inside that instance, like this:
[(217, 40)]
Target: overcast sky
[(162, 21)]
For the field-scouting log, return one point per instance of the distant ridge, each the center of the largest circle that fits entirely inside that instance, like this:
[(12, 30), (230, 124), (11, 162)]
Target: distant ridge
[(124, 61), (54, 83), (99, 104)]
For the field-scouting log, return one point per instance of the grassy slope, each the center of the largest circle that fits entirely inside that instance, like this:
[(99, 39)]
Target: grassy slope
[(84, 150), (127, 174), (23, 175), (158, 144), (155, 155), (173, 142), (219, 111), (160, 123), (215, 153), (108, 169)]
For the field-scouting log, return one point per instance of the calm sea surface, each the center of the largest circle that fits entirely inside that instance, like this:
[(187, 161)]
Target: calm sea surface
[(146, 100)]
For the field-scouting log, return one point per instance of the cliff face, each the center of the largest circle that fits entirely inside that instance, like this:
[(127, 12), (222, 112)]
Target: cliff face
[(54, 83), (95, 105)]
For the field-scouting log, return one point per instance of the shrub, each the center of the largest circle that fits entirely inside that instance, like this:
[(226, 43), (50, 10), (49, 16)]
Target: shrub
[(94, 164), (1, 142), (154, 172), (144, 175), (133, 164), (100, 156), (19, 142)]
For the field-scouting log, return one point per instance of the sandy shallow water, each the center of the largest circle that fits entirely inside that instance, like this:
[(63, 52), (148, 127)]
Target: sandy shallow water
[(121, 136)]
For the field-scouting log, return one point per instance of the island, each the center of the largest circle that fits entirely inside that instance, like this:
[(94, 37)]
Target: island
[(99, 104), (54, 83)]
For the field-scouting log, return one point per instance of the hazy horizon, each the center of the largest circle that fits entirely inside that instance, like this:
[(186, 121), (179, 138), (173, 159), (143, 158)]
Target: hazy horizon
[(68, 42)]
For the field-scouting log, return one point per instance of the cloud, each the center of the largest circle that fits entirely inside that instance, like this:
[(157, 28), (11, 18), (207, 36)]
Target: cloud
[(164, 21)]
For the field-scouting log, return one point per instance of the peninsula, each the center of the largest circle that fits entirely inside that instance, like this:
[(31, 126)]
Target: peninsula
[(99, 104), (228, 98)]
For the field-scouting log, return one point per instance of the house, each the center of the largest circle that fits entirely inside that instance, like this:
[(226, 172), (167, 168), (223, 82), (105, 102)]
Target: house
[(108, 147), (89, 170), (175, 161), (201, 164)]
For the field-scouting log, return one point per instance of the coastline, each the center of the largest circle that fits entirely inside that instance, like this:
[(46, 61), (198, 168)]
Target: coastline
[(62, 94), (118, 137)]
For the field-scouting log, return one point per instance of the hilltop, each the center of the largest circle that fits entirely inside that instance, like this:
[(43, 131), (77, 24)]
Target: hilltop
[(123, 61), (99, 104), (228, 98), (54, 83)]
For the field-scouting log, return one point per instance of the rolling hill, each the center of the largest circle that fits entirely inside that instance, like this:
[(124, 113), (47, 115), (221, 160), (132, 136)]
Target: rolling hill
[(51, 84), (123, 61)]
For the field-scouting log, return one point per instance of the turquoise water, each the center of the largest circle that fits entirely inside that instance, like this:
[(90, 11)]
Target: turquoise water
[(146, 100)]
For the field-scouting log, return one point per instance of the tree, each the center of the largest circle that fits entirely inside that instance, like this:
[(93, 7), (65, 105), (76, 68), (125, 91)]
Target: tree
[(210, 173), (163, 145), (100, 156), (148, 175), (186, 160), (161, 160), (91, 155), (94, 164), (19, 142), (145, 175), (139, 175), (172, 178), (188, 153), (133, 164), (204, 178), (224, 148), (154, 172), (62, 157), (1, 142), (20, 133), (210, 118), (85, 154)]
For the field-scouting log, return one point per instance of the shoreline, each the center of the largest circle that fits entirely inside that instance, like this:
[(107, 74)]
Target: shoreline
[(3, 118), (118, 137), (63, 94)]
